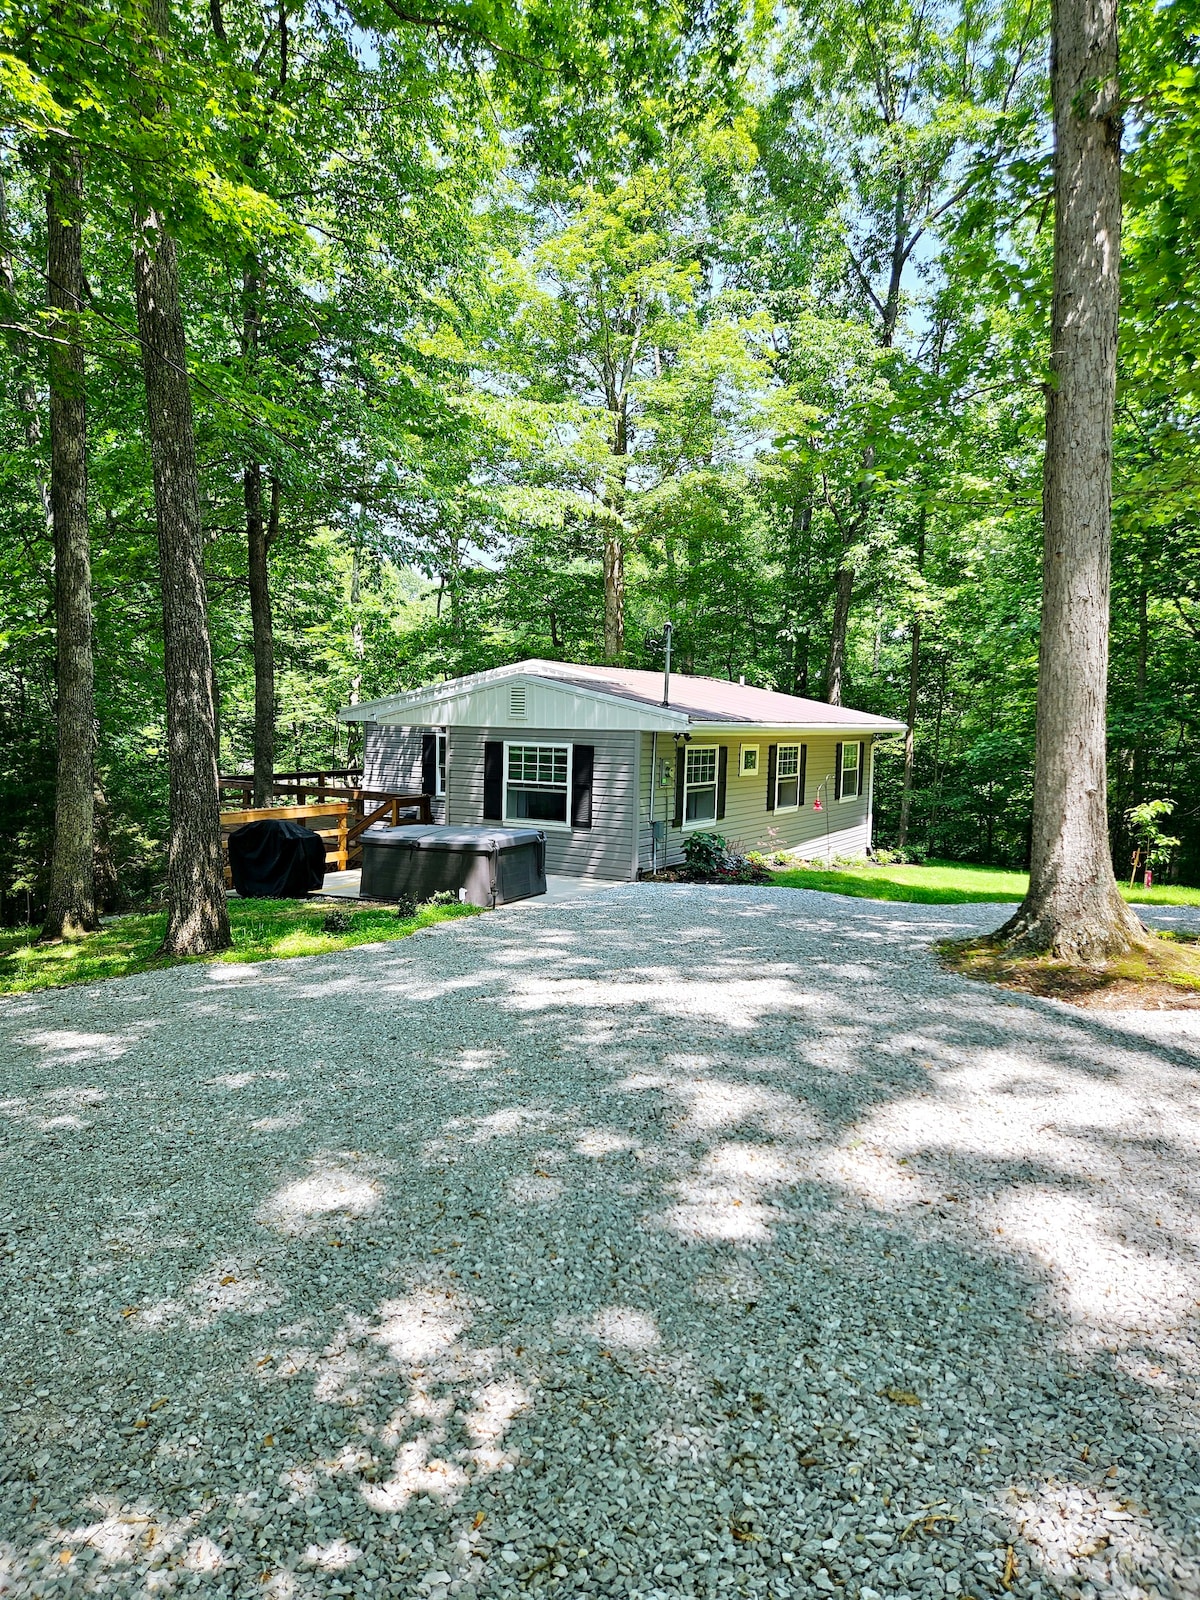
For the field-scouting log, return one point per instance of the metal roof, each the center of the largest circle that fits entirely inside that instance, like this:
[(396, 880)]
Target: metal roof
[(712, 702)]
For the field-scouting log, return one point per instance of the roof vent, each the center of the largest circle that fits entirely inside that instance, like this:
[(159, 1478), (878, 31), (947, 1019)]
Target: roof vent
[(516, 702)]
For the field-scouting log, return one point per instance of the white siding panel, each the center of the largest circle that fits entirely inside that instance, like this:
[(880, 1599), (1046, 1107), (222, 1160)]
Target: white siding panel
[(747, 823), (562, 706)]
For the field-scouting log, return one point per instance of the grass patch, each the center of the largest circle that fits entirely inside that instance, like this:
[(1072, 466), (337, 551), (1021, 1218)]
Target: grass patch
[(948, 883), (1165, 973), (263, 930)]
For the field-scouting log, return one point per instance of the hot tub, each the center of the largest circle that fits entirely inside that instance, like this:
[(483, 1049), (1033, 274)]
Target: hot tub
[(485, 866)]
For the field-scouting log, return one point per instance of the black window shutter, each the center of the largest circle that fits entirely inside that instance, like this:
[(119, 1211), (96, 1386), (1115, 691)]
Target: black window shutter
[(862, 761), (582, 761), (493, 780), (837, 772), (803, 770), (722, 778), (680, 758), (429, 763), (772, 765)]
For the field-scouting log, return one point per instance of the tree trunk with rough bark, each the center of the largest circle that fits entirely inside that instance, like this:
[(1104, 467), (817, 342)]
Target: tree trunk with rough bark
[(260, 534), (910, 721), (614, 540), (835, 664), (197, 913), (71, 907), (910, 724), (1073, 909)]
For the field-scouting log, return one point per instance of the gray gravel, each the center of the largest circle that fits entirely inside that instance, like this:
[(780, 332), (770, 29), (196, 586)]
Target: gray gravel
[(675, 1242)]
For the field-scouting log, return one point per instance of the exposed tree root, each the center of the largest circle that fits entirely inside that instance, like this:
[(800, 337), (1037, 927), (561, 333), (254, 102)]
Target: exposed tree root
[(1159, 971)]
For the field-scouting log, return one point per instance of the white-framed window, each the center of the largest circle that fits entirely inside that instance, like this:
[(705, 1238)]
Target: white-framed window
[(787, 777), (439, 781), (537, 783), (748, 761), (699, 785), (851, 754)]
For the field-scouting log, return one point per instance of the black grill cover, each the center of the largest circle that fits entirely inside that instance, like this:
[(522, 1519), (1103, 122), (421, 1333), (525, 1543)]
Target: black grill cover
[(276, 860)]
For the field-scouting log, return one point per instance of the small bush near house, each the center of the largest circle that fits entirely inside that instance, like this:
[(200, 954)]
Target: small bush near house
[(336, 922), (705, 854), (710, 860)]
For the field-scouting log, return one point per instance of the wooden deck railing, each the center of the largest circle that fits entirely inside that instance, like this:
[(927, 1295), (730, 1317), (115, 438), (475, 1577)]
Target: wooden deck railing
[(341, 815)]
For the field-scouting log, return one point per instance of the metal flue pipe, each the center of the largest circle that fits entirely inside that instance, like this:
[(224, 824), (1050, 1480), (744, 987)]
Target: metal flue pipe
[(666, 699)]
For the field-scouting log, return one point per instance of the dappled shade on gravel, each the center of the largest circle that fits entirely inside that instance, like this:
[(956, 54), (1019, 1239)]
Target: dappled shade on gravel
[(674, 1242)]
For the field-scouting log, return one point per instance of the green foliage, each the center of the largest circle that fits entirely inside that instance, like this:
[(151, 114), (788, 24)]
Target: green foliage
[(705, 853), (1154, 844), (755, 294), (948, 883), (263, 930)]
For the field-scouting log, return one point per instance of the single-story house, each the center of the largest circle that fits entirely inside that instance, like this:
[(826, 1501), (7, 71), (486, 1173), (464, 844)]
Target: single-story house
[(617, 778)]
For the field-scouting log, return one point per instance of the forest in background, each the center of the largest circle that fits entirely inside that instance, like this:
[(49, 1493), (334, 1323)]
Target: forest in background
[(733, 320)]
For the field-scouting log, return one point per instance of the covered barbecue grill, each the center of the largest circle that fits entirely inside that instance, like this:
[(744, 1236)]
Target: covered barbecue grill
[(276, 860), (490, 866)]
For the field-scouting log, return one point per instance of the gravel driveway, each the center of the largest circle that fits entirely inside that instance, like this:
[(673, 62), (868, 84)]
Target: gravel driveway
[(675, 1242)]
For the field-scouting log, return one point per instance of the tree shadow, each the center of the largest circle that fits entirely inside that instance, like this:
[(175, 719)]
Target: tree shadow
[(741, 1252)]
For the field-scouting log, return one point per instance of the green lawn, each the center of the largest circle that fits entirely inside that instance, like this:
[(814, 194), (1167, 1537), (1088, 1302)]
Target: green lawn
[(945, 883), (263, 930)]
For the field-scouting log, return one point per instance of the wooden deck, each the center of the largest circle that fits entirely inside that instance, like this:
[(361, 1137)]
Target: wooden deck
[(341, 811)]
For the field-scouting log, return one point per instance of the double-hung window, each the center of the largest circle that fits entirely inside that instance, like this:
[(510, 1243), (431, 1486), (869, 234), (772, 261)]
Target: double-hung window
[(440, 770), (787, 777), (700, 784), (851, 756), (537, 781)]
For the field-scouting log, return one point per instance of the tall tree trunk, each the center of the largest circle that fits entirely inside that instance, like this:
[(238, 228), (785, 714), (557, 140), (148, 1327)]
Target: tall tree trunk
[(910, 721), (835, 664), (614, 596), (358, 649), (614, 541), (259, 538), (1073, 908), (197, 913), (910, 724), (71, 909)]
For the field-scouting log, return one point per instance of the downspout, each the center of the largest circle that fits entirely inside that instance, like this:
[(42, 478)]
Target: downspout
[(653, 781)]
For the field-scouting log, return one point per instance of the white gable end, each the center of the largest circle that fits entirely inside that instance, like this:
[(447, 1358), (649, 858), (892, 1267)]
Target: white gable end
[(524, 701)]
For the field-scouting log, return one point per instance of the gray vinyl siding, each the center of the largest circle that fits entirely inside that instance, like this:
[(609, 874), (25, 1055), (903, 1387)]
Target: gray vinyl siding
[(605, 850), (392, 761), (747, 823)]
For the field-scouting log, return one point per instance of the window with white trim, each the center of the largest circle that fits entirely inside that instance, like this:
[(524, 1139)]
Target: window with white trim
[(851, 751), (787, 777), (700, 784), (537, 782), (439, 782)]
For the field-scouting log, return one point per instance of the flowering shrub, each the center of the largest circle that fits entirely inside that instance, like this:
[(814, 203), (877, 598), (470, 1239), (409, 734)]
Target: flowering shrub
[(710, 860), (705, 854)]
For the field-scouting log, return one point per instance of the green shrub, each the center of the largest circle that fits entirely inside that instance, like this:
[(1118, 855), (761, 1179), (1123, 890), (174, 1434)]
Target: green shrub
[(705, 854), (336, 922)]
